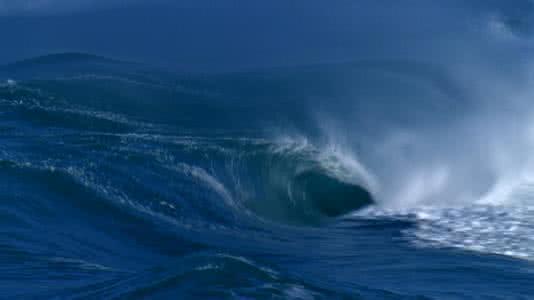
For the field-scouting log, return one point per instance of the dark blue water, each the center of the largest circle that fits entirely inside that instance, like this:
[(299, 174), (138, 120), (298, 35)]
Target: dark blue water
[(326, 182)]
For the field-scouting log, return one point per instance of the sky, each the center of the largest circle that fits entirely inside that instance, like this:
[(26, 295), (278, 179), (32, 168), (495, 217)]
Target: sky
[(229, 35)]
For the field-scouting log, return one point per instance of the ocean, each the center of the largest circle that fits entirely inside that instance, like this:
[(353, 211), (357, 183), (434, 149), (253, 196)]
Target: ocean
[(357, 180)]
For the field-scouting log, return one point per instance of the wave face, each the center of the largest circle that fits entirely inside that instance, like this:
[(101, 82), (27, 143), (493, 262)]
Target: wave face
[(302, 183)]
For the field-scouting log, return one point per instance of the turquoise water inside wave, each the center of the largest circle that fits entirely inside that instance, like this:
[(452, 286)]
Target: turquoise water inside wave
[(120, 181)]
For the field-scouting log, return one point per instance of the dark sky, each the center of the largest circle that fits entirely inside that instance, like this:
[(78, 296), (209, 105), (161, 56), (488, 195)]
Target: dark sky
[(224, 35)]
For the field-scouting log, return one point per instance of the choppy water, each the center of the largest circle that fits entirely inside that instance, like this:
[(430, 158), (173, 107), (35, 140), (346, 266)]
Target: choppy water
[(374, 180)]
